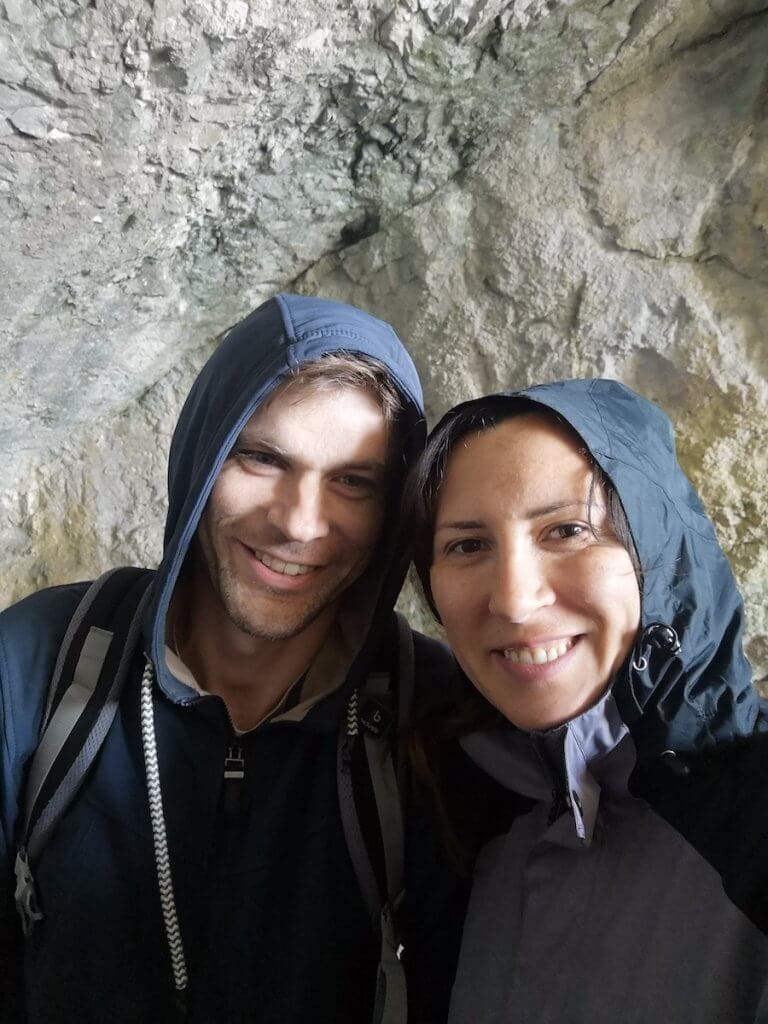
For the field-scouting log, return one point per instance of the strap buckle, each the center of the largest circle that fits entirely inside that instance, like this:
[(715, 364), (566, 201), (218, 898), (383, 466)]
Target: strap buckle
[(376, 714), (390, 927), (26, 894)]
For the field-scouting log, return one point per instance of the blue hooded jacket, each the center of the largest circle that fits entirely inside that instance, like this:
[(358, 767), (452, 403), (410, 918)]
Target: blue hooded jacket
[(272, 920)]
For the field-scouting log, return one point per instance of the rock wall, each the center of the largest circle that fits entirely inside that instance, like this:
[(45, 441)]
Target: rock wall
[(527, 190)]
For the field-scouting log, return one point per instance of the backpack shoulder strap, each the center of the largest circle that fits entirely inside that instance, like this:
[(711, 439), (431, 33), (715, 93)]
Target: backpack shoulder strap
[(406, 682), (82, 700), (373, 709)]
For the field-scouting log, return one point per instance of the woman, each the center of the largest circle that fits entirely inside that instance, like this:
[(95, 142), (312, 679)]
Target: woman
[(586, 598)]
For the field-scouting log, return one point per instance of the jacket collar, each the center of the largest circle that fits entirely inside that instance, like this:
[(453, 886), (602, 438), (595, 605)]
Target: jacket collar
[(578, 761)]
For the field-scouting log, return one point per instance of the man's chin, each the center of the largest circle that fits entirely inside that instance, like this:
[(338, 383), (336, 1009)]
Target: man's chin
[(273, 624), (272, 615)]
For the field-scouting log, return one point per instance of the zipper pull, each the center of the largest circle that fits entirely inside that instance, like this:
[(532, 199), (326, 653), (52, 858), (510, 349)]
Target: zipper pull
[(234, 763), (557, 807), (234, 774)]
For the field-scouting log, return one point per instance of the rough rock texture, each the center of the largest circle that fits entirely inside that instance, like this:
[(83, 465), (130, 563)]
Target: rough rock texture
[(527, 189)]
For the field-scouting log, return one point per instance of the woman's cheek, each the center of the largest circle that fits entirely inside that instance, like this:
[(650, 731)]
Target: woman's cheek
[(441, 591), (453, 591), (604, 579)]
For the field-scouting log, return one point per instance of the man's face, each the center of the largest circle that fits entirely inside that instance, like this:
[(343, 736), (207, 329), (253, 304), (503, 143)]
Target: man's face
[(297, 508)]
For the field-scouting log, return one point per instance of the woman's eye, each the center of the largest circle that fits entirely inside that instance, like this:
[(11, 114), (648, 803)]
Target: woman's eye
[(567, 530), (469, 546)]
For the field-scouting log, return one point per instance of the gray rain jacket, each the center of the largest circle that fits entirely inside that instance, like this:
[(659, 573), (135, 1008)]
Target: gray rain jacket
[(635, 888)]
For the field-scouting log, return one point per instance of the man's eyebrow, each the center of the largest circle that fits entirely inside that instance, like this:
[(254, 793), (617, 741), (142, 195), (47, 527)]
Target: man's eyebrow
[(371, 465), (259, 441), (255, 440)]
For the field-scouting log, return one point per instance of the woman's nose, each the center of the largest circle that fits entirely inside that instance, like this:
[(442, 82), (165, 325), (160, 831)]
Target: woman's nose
[(298, 511), (521, 586)]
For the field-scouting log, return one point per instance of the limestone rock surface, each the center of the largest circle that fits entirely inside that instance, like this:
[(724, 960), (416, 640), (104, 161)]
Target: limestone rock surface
[(528, 190)]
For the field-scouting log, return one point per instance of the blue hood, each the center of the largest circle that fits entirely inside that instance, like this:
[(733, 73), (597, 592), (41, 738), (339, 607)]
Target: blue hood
[(700, 694), (281, 334)]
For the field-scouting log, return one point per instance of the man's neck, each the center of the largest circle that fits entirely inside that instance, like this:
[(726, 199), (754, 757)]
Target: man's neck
[(251, 674)]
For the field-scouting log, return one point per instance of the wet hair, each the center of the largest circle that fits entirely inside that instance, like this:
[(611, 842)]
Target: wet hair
[(423, 487), (456, 713), (346, 369)]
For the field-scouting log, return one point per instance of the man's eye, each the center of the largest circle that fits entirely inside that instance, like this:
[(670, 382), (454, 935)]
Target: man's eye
[(356, 483), (254, 457)]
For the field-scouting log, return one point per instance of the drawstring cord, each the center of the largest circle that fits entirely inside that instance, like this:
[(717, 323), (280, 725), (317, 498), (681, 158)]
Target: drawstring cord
[(162, 858), (351, 731)]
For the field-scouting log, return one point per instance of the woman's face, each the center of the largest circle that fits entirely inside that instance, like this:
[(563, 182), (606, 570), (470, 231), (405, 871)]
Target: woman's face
[(539, 611)]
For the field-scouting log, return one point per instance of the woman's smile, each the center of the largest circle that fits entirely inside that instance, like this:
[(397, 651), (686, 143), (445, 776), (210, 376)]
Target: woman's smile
[(541, 653)]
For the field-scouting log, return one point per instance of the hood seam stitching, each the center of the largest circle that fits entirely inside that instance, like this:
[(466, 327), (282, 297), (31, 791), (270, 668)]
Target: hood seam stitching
[(599, 412), (670, 500)]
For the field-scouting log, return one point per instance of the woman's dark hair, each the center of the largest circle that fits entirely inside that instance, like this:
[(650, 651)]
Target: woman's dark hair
[(456, 715)]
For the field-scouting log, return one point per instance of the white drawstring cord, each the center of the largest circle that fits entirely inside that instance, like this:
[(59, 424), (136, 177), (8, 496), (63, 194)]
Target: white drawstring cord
[(162, 860), (352, 712)]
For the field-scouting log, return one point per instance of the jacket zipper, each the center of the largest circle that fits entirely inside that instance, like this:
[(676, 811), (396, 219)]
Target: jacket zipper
[(560, 802), (234, 778), (557, 807)]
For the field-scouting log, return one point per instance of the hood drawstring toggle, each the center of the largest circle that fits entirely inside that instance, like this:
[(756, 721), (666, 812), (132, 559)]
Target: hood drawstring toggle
[(659, 636)]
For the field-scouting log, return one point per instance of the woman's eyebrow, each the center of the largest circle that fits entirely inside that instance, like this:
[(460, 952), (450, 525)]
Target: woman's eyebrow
[(555, 506), (461, 524), (534, 513)]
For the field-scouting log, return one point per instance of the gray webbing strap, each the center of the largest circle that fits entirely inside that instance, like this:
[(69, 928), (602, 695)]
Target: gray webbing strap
[(64, 719), (72, 705), (387, 795), (74, 624), (384, 779), (391, 1003), (69, 785), (406, 682), (353, 835), (391, 999)]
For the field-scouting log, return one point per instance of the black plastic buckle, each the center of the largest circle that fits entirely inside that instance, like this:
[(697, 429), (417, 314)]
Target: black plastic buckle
[(376, 715)]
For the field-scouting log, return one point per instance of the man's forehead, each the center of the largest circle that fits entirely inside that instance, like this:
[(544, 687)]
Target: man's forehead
[(286, 395), (349, 419), (290, 395)]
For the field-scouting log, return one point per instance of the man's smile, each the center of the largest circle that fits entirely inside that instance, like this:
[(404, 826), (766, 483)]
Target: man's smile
[(281, 566), (278, 574)]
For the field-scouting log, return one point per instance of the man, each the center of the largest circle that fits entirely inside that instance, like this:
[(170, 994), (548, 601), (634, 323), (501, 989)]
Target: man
[(202, 870)]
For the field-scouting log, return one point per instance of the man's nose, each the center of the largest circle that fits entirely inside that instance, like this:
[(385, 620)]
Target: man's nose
[(298, 510), (521, 584)]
